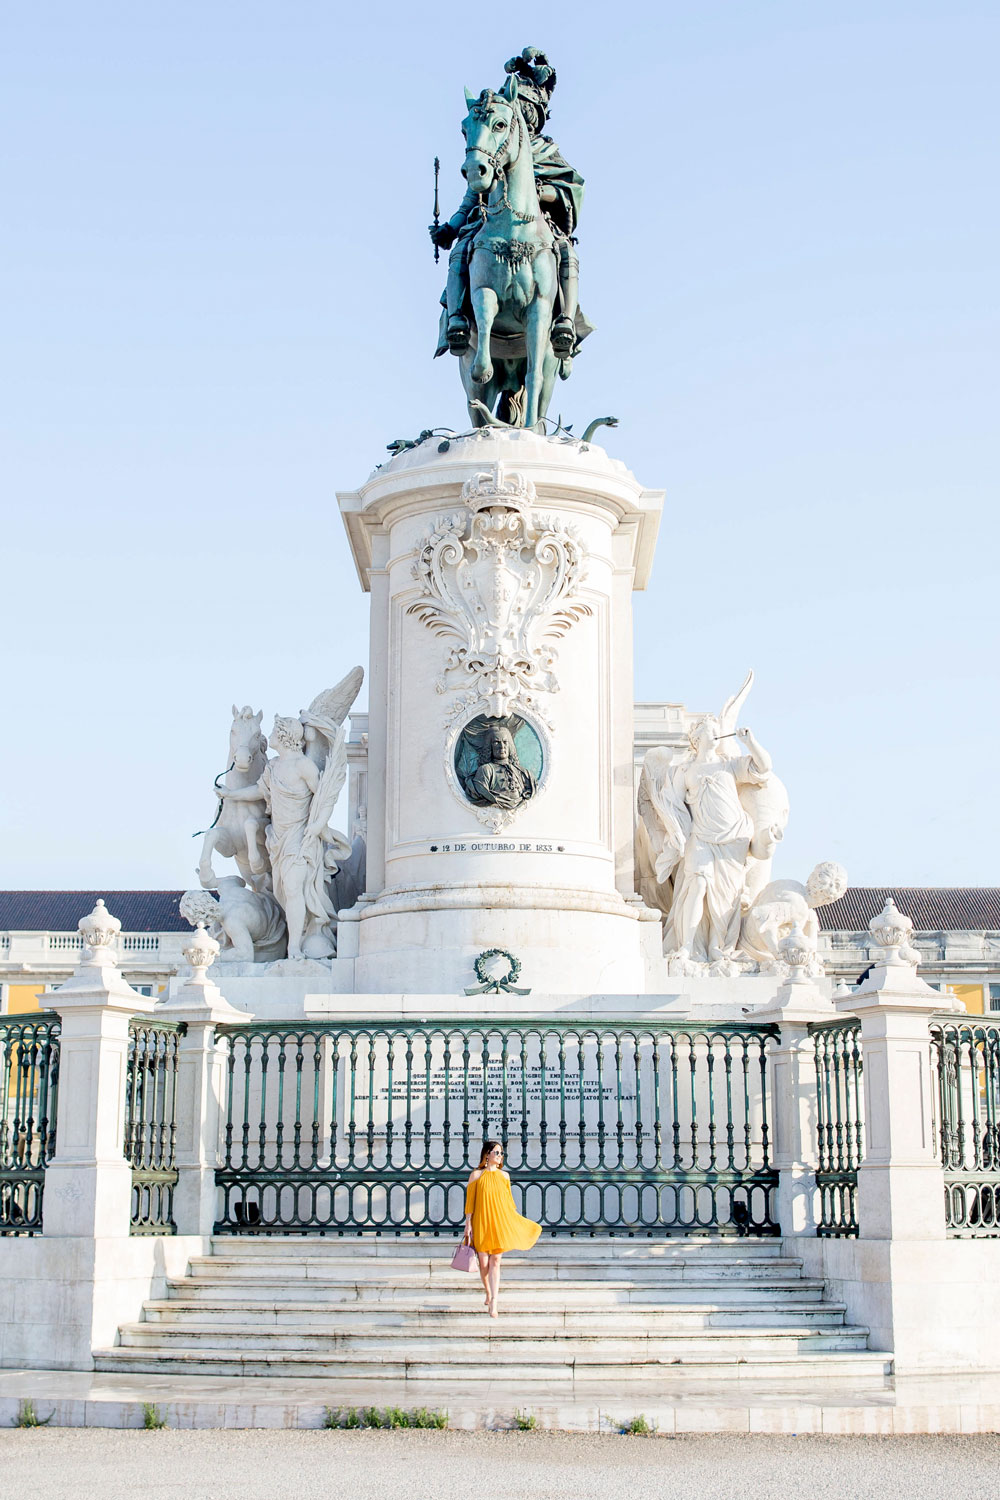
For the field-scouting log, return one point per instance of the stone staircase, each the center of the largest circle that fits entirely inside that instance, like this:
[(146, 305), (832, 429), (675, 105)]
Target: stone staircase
[(574, 1310)]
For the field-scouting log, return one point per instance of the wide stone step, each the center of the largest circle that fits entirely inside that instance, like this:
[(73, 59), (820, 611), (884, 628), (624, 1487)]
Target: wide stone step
[(222, 1267), (558, 1248), (536, 1294), (459, 1315), (500, 1342), (859, 1368)]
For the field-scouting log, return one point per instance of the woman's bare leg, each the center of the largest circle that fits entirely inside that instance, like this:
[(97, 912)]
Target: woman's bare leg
[(483, 1261), (493, 1277)]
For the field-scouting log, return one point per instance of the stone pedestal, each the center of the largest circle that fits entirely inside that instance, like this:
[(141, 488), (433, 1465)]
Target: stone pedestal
[(501, 567), (88, 1183), (900, 1181), (70, 1288), (799, 1003), (200, 1004)]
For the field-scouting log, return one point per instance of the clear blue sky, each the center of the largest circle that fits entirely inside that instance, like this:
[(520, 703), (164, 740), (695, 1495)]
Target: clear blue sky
[(220, 305)]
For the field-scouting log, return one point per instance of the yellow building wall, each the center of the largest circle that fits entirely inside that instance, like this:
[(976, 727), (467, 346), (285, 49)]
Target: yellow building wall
[(22, 997), (971, 996)]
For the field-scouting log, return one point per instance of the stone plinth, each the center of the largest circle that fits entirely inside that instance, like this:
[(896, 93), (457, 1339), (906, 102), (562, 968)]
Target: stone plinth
[(501, 571)]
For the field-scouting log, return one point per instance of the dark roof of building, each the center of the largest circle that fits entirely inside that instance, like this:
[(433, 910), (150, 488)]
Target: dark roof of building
[(930, 908), (60, 911)]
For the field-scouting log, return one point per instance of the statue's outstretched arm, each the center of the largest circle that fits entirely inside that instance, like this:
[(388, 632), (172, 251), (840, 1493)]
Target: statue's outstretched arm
[(755, 750), (255, 793)]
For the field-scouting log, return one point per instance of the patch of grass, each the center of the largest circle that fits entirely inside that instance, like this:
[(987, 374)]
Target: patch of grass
[(27, 1416), (525, 1421), (392, 1417), (152, 1419), (424, 1418), (639, 1427)]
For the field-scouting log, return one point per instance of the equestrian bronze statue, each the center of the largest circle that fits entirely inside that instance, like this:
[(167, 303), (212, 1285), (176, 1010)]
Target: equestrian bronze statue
[(510, 308)]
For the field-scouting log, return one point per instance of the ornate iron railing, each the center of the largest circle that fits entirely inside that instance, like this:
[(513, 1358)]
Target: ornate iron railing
[(652, 1128), (968, 1068), (150, 1122), (840, 1125), (29, 1088)]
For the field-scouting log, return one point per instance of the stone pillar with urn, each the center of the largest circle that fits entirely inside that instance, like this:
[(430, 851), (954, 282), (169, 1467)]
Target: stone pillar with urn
[(900, 1180), (198, 1003), (799, 1003), (88, 1183)]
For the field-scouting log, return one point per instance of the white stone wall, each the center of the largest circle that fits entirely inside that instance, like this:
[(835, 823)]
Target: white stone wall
[(934, 1303), (62, 1298)]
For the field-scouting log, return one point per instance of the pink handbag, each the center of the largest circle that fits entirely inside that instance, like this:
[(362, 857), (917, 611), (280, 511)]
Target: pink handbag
[(464, 1258)]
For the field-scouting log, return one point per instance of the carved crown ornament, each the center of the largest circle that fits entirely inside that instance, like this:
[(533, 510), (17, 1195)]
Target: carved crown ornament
[(502, 582)]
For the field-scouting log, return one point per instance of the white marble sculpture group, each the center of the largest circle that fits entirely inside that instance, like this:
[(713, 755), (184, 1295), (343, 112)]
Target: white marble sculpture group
[(480, 597), (709, 820), (274, 821)]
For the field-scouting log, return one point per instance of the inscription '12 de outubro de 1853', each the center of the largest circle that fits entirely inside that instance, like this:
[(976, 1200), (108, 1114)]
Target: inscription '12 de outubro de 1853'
[(510, 308)]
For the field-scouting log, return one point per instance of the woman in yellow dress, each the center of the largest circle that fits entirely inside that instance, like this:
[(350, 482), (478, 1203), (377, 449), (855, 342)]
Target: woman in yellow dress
[(492, 1223)]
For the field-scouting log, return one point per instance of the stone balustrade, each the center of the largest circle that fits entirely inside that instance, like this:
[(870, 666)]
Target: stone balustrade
[(131, 1071)]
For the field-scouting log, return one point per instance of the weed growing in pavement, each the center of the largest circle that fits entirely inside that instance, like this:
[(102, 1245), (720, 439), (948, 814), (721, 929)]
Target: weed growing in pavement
[(392, 1417), (639, 1427), (28, 1417), (525, 1421), (151, 1418), (424, 1418)]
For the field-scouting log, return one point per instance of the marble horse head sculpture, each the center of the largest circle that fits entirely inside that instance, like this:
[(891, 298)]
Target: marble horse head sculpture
[(238, 831)]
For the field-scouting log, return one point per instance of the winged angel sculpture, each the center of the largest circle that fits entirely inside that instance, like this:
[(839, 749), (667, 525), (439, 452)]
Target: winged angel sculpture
[(299, 788), (708, 826)]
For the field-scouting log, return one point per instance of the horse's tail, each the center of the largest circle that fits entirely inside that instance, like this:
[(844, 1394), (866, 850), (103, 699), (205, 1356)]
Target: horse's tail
[(511, 407)]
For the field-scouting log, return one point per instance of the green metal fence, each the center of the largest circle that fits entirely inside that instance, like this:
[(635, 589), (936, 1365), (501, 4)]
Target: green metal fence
[(968, 1068), (151, 1123), (840, 1127), (29, 1086), (350, 1128)]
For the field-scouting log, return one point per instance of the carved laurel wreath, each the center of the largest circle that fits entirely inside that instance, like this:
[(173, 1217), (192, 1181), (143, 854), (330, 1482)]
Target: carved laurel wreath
[(482, 967), (490, 984)]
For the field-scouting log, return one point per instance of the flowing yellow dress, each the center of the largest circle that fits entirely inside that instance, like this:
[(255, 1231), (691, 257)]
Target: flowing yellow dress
[(496, 1223)]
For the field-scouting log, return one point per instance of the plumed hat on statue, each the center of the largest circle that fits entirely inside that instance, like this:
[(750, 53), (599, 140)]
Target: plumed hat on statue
[(536, 80)]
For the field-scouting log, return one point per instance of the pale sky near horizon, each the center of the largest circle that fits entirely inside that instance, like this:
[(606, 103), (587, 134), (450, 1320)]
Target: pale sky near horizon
[(221, 304)]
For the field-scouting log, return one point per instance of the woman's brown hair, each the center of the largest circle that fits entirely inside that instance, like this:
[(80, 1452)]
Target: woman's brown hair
[(487, 1148)]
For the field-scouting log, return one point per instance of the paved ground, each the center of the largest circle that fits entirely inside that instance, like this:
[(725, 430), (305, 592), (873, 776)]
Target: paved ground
[(55, 1464)]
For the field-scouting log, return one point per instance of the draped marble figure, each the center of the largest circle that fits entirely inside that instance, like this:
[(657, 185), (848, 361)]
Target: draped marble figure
[(300, 787), (708, 825)]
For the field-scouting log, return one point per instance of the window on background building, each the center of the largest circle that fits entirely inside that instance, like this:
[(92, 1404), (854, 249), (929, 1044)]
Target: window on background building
[(143, 989), (994, 1001)]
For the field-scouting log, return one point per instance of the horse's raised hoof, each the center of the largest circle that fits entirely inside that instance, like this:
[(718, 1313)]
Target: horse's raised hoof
[(458, 334), (563, 337), (482, 376)]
